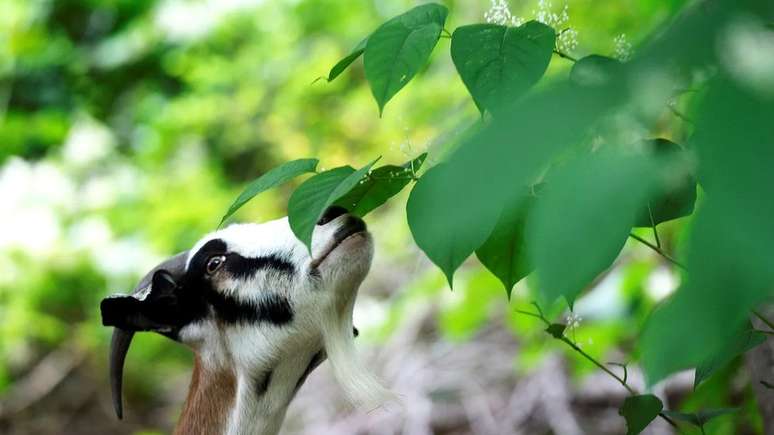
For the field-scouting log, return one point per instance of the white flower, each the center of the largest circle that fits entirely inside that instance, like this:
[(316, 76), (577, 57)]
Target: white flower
[(567, 38), (500, 13), (573, 320), (623, 48), (567, 41)]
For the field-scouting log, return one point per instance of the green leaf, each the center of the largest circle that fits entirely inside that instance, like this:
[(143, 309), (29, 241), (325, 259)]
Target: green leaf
[(705, 416), (583, 219), (504, 253), (675, 197), (740, 343), (729, 248), (684, 417), (499, 63), (314, 195), (639, 411), (556, 330), (397, 50), (447, 238), (699, 419), (274, 177), (381, 184), (594, 70), (347, 60)]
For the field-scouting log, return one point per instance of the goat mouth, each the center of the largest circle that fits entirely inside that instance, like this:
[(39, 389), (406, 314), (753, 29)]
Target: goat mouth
[(353, 227)]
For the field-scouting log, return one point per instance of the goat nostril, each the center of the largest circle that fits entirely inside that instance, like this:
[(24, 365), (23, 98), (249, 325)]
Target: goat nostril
[(331, 213)]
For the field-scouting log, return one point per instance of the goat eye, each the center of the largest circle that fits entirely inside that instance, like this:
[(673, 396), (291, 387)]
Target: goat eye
[(214, 263)]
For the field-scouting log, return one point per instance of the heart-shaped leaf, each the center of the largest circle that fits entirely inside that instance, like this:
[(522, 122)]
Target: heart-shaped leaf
[(279, 175), (380, 185), (583, 218), (499, 63), (397, 50), (448, 238), (504, 253), (639, 411), (314, 195), (347, 60)]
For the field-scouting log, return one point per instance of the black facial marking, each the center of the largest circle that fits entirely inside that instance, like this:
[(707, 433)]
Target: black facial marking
[(244, 267), (198, 263), (271, 308), (262, 383)]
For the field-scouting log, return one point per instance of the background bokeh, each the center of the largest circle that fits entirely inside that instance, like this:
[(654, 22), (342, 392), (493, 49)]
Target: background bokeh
[(127, 127)]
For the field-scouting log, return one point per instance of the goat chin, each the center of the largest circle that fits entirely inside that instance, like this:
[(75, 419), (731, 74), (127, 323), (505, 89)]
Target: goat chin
[(360, 385)]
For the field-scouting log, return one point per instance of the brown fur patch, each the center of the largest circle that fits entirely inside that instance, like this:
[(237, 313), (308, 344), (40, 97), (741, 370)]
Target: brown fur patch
[(210, 400)]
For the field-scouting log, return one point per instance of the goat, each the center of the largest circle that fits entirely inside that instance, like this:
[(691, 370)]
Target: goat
[(260, 313)]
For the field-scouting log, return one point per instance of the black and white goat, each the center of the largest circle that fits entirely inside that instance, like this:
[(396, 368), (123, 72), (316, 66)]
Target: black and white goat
[(260, 314)]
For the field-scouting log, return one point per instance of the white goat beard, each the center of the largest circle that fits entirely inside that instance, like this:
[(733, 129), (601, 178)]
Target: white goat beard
[(360, 386)]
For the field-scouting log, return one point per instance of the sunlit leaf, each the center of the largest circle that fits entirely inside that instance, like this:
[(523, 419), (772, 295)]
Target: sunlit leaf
[(380, 185), (347, 60), (499, 63), (314, 195), (504, 253), (639, 411), (279, 175), (399, 48), (583, 218)]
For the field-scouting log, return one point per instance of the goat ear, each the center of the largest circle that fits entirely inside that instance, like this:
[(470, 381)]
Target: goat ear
[(162, 282)]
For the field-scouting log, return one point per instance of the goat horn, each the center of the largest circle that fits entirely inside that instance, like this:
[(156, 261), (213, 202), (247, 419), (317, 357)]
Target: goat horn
[(119, 346)]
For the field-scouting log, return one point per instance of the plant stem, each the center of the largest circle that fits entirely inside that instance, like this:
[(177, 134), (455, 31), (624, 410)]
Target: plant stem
[(590, 358), (446, 33), (653, 225), (658, 250), (565, 55), (598, 364), (763, 319), (679, 114), (527, 313)]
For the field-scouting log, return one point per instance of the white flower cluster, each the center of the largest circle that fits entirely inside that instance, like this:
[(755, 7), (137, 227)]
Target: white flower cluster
[(567, 38), (623, 48), (500, 13), (573, 320), (567, 41), (545, 15)]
